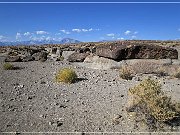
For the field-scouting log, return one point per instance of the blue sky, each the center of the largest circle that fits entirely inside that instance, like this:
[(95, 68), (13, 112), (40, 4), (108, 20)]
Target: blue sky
[(89, 22)]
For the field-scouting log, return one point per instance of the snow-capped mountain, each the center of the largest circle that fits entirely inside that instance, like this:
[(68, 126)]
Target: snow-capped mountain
[(40, 42)]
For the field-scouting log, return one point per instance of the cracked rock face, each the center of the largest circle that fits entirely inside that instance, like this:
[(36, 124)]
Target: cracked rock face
[(120, 52)]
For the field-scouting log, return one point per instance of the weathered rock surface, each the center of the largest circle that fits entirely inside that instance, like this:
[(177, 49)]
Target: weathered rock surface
[(40, 56), (77, 57), (12, 59), (96, 62), (121, 52), (27, 58)]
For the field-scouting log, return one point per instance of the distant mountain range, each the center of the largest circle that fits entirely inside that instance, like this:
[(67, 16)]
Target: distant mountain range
[(40, 42)]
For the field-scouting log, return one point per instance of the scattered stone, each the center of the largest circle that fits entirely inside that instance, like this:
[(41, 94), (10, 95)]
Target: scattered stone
[(57, 123), (116, 119), (63, 106), (20, 86), (66, 100), (43, 82)]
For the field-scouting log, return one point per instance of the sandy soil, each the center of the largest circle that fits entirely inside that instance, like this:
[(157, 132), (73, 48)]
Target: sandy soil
[(31, 100)]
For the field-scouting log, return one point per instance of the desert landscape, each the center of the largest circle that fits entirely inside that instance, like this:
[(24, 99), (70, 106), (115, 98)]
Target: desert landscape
[(106, 95)]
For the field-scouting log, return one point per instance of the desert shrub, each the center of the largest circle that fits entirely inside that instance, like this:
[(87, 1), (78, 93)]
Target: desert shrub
[(149, 93), (161, 72), (126, 73), (8, 66), (61, 58), (177, 74), (152, 100), (66, 75)]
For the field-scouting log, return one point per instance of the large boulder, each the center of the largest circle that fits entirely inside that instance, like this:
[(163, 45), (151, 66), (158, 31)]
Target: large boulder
[(96, 62), (120, 52), (54, 53), (12, 59), (27, 58), (77, 57), (42, 56)]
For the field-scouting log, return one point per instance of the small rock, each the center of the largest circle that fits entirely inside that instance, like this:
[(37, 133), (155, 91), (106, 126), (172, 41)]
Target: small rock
[(62, 106), (116, 119), (43, 82), (122, 95), (50, 123), (20, 86), (59, 123), (42, 116), (66, 100)]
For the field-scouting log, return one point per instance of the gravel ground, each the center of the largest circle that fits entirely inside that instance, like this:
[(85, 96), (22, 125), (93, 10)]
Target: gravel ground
[(31, 100)]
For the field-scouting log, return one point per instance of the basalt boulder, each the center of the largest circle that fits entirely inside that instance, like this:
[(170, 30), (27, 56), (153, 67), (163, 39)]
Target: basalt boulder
[(77, 57), (12, 59), (40, 56), (120, 52)]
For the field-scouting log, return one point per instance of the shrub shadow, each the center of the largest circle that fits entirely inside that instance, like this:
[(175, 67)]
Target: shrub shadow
[(17, 68), (174, 122), (80, 79)]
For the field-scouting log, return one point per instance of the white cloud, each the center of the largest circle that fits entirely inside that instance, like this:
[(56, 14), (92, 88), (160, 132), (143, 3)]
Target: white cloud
[(92, 29), (18, 36), (41, 32), (120, 38), (58, 34), (136, 32), (65, 31), (85, 30), (110, 35), (133, 37), (2, 38), (76, 30), (27, 34), (127, 32)]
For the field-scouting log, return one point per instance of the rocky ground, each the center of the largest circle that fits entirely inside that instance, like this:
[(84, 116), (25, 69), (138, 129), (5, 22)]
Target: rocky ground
[(32, 101)]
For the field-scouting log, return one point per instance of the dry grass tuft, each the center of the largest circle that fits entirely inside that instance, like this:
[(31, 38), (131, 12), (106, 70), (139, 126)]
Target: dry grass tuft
[(66, 75), (152, 105), (8, 66), (177, 74), (126, 73)]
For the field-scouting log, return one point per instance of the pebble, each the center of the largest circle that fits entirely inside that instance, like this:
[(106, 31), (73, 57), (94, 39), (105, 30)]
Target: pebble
[(57, 123), (66, 100), (20, 86)]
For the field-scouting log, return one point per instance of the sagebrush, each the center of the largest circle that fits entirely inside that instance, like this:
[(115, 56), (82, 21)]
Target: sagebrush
[(66, 75), (126, 73), (149, 96), (8, 66)]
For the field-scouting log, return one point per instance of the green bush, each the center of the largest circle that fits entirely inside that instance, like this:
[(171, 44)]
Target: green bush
[(66, 75), (8, 66), (148, 94), (126, 73)]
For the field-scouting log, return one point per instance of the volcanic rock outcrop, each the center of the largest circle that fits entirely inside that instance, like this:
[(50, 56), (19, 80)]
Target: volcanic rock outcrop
[(120, 52)]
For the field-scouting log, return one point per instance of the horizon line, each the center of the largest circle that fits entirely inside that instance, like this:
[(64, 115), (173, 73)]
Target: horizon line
[(88, 2)]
